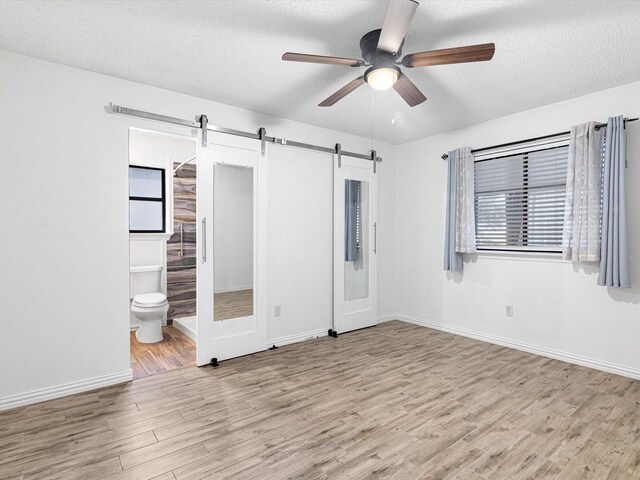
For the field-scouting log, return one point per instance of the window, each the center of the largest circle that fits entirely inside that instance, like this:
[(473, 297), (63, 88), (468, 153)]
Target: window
[(146, 200), (519, 198)]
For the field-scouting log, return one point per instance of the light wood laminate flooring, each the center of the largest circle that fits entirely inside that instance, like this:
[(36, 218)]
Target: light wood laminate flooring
[(392, 402), (174, 352)]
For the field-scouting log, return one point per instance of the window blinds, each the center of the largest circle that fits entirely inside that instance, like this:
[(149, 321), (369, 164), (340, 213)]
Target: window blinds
[(519, 198)]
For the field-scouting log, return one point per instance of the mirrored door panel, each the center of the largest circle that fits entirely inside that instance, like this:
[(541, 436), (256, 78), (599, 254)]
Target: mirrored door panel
[(233, 238), (356, 239)]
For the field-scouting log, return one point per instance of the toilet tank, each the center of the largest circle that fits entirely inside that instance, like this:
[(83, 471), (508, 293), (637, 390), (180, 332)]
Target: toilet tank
[(145, 279)]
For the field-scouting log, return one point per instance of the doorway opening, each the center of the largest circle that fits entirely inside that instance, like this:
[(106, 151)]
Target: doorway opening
[(162, 251)]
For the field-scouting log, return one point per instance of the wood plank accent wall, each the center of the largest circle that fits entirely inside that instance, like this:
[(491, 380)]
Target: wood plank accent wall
[(181, 270)]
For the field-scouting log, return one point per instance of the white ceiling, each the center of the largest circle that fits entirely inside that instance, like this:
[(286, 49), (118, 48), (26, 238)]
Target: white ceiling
[(229, 51)]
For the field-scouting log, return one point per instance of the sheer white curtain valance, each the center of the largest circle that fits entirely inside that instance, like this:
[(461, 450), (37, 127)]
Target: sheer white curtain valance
[(595, 217), (465, 203), (581, 229)]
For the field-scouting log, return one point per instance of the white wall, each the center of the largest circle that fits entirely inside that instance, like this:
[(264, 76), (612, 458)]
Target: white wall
[(233, 228), (300, 242), (63, 207), (149, 149), (558, 308)]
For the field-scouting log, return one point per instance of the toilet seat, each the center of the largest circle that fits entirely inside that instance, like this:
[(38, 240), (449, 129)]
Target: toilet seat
[(149, 300)]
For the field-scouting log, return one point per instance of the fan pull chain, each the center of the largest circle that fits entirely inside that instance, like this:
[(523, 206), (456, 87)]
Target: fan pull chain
[(393, 109), (371, 119)]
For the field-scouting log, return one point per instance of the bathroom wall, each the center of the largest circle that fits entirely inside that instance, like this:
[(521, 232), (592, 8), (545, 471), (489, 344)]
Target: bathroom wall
[(155, 148), (152, 149), (181, 247)]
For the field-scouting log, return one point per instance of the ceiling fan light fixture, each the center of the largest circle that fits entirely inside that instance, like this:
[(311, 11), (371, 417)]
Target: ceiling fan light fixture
[(382, 78), (382, 53)]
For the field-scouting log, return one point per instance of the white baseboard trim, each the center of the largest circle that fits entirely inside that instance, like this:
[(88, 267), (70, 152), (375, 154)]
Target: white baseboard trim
[(526, 347), (387, 318), (298, 337), (50, 393)]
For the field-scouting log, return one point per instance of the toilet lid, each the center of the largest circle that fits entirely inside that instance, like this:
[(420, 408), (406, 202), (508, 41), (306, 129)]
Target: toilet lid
[(149, 299)]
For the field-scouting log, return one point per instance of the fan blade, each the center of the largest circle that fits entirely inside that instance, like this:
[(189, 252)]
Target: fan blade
[(408, 91), (303, 57), (396, 23), (472, 53), (343, 92)]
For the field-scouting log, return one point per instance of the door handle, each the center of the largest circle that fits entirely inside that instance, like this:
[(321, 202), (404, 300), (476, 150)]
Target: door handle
[(204, 240), (375, 238)]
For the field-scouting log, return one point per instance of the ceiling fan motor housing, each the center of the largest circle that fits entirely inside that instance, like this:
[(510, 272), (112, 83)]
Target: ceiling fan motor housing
[(375, 57)]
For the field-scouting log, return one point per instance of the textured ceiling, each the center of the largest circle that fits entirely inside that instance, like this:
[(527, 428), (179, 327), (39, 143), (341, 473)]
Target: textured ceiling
[(229, 51)]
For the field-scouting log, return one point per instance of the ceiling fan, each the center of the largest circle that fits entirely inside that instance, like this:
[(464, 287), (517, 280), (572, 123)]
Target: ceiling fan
[(381, 51)]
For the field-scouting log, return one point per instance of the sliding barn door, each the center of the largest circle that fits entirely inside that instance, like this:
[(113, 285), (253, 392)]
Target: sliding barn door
[(232, 248), (355, 245)]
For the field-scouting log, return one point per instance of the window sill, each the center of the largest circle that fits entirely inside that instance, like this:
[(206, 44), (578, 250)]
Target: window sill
[(150, 236), (519, 255)]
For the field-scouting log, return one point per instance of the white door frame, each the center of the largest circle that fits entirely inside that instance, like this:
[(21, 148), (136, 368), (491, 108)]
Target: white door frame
[(361, 312), (224, 339)]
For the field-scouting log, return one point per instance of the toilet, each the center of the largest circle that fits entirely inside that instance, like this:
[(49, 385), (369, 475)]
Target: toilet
[(149, 308), (148, 304)]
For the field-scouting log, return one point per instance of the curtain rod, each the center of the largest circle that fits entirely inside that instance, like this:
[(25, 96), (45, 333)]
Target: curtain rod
[(534, 139), (261, 135)]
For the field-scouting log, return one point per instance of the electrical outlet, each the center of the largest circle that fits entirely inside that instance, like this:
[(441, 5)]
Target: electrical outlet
[(277, 310), (508, 310)]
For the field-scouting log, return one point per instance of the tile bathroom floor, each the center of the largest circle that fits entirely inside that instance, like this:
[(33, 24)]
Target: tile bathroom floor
[(174, 352)]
